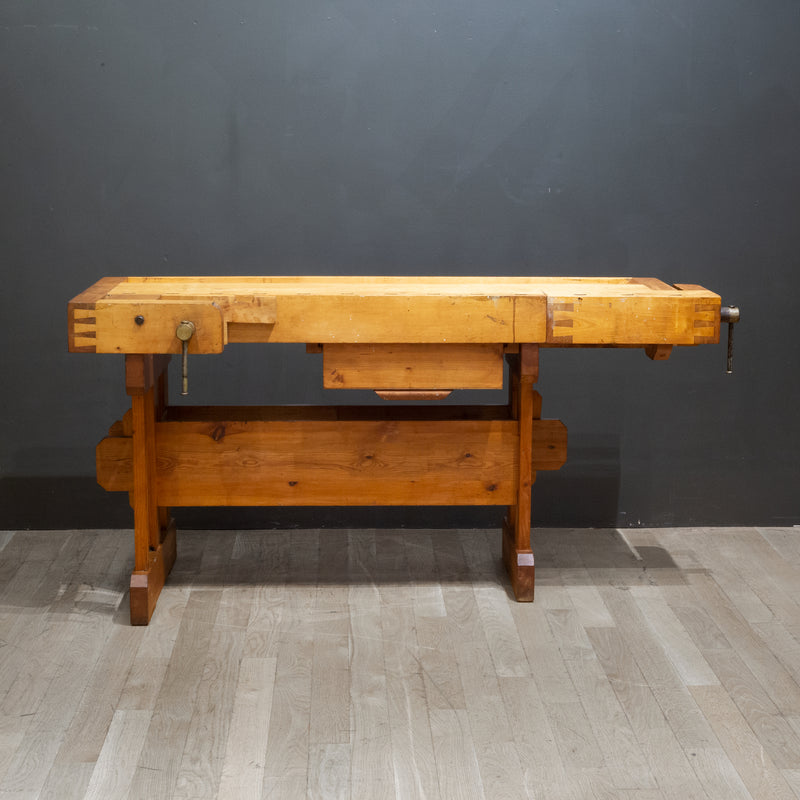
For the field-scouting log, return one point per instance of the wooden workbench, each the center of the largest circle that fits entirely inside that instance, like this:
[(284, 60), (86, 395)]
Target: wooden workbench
[(406, 338)]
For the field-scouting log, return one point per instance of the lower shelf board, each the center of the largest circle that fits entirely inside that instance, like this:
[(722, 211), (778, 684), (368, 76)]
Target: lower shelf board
[(333, 463)]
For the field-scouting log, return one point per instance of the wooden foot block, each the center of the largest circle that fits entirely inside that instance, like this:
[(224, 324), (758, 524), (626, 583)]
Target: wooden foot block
[(519, 565), (146, 584)]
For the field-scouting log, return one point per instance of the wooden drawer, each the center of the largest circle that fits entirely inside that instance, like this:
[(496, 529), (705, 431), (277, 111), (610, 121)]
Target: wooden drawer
[(413, 366)]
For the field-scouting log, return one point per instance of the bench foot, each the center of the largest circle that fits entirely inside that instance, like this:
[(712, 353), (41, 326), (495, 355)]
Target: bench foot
[(146, 584), (519, 565)]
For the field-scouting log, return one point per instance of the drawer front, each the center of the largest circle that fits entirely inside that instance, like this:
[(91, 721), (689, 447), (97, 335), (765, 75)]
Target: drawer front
[(413, 366)]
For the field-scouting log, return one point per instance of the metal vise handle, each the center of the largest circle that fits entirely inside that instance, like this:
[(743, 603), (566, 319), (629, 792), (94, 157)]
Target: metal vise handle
[(184, 332), (731, 315)]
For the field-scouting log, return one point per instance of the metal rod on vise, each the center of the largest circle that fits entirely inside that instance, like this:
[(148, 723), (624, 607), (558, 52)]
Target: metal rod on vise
[(731, 315), (184, 332)]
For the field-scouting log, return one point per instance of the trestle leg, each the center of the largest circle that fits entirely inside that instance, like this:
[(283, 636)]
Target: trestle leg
[(154, 530), (525, 406)]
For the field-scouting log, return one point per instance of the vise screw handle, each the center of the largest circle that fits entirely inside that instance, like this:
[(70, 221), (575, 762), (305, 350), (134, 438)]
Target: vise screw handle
[(731, 315)]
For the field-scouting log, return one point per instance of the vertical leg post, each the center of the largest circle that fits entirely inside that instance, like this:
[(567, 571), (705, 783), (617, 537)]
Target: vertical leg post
[(525, 406), (154, 531), (145, 510)]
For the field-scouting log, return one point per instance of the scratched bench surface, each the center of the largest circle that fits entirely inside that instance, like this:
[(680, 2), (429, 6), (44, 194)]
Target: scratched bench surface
[(136, 315)]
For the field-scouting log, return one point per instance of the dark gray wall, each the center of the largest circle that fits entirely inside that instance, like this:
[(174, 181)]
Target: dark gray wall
[(507, 138)]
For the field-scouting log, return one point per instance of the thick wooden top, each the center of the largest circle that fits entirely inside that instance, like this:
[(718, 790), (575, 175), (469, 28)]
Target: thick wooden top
[(140, 315)]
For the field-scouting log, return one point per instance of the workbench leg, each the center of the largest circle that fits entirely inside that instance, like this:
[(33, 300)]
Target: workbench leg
[(154, 531), (525, 406)]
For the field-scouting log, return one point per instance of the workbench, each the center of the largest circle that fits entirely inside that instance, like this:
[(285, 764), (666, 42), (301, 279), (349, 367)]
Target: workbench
[(407, 338)]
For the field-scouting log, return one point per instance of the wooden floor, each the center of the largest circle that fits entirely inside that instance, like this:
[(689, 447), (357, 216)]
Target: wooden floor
[(394, 664)]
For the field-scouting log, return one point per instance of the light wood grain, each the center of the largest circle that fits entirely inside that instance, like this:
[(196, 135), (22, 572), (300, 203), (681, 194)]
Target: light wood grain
[(243, 767), (632, 320), (574, 311), (288, 744), (588, 603), (159, 764), (779, 684), (407, 366), (677, 643), (671, 693), (87, 732), (330, 690), (502, 637), (329, 771), (489, 729), (395, 664), (772, 578), (28, 769), (543, 769), (12, 731), (210, 726), (774, 732), (67, 782), (784, 541), (668, 762), (152, 658), (623, 759), (326, 463), (427, 592), (117, 761), (117, 331), (437, 661), (65, 646), (409, 724), (756, 768), (371, 766), (456, 760), (717, 774), (783, 643)]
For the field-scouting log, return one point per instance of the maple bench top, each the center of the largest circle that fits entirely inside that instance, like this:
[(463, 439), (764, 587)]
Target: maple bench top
[(140, 314)]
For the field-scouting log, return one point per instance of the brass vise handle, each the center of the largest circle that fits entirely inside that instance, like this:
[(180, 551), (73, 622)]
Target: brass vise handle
[(184, 332), (731, 315)]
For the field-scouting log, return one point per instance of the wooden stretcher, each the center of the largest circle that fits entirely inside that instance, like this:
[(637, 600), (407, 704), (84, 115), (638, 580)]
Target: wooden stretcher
[(407, 338)]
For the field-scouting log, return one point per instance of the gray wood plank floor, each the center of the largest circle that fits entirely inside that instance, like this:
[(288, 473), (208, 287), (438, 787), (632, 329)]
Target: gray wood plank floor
[(654, 664)]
